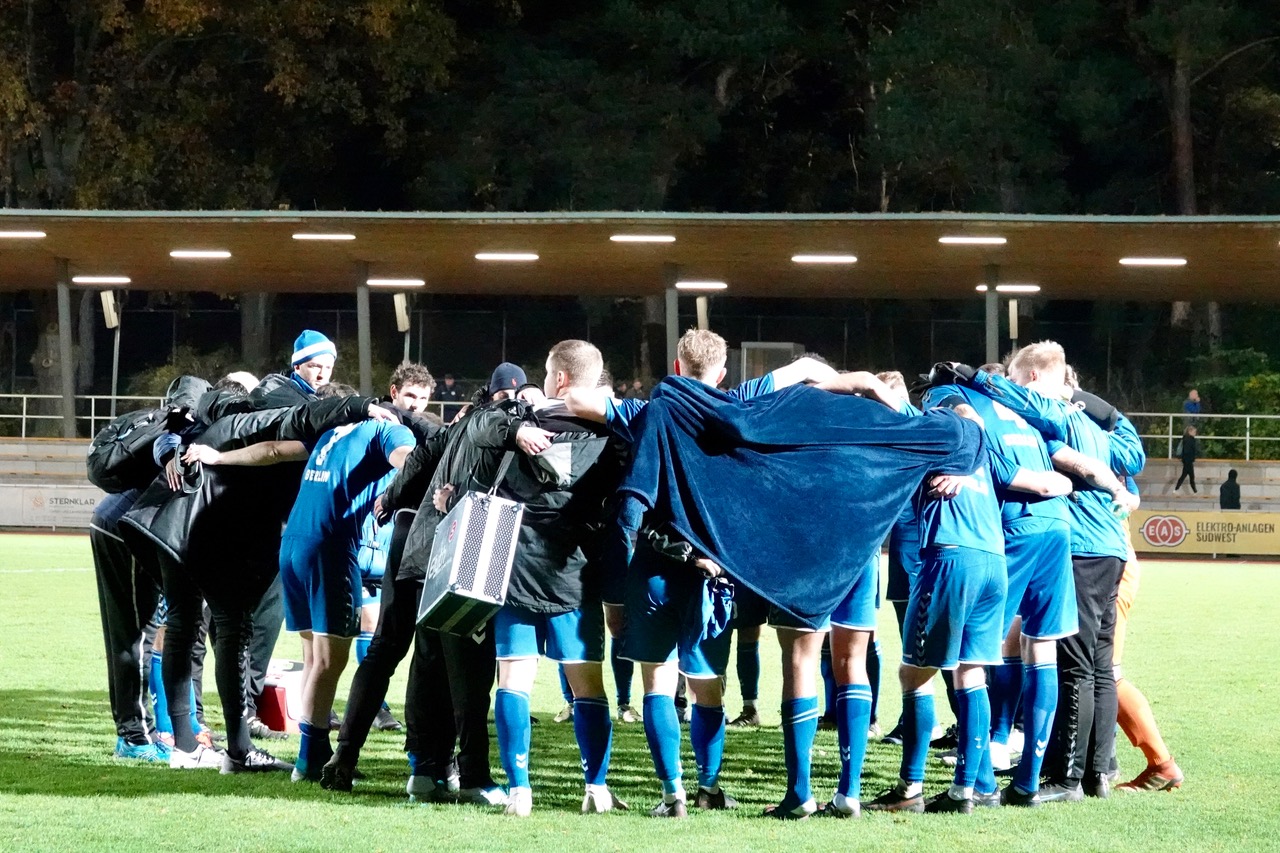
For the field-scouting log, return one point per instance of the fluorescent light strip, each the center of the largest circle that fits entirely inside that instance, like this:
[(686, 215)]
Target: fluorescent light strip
[(101, 279), (643, 238), (972, 241), (506, 256), (1153, 262), (701, 285), (395, 282), (200, 254), (1011, 288), (21, 235), (309, 236), (824, 259)]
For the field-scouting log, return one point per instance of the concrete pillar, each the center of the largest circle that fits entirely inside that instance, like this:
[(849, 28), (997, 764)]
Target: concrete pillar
[(993, 313), (364, 340), (704, 321), (671, 274), (65, 351)]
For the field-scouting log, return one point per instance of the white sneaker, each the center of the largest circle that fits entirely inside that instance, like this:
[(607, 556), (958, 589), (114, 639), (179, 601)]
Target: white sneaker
[(491, 796), (628, 714), (948, 757), (599, 799), (520, 802), (565, 714), (1016, 740), (200, 758), (424, 789), (1000, 756)]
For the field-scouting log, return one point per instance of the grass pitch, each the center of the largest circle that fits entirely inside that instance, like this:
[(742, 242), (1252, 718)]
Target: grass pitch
[(1201, 646)]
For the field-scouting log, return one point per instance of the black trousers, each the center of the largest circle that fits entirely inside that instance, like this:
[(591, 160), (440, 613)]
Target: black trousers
[(1084, 730), (127, 599), (391, 641), (233, 596), (1188, 472), (268, 619), (450, 684)]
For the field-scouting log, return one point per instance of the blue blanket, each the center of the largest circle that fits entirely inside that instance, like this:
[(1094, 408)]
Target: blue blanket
[(791, 492)]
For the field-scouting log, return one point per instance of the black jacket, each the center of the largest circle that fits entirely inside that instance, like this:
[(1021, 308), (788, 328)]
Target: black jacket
[(565, 490)]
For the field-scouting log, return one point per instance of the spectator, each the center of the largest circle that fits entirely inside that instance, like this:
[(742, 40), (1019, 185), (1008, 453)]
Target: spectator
[(1191, 406), (620, 391), (450, 392), (636, 391), (1229, 493), (1188, 449)]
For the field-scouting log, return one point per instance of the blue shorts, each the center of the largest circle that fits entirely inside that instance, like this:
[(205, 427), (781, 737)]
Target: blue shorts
[(1042, 588), (573, 637), (955, 610), (856, 611), (322, 588), (665, 619), (749, 609)]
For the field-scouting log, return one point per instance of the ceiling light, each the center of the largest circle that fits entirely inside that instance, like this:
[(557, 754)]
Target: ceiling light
[(1153, 262), (1011, 288), (101, 279), (701, 285), (395, 282), (824, 259), (309, 236), (506, 256), (643, 238), (21, 235), (972, 241), (200, 254)]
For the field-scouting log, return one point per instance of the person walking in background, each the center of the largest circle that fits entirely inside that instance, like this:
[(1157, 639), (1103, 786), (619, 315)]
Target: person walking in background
[(1229, 493), (1188, 449)]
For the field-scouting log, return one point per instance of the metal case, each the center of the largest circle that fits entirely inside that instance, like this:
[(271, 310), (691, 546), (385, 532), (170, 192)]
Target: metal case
[(470, 565)]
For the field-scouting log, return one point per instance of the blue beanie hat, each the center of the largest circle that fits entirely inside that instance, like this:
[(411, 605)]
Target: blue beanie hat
[(309, 345), (506, 377)]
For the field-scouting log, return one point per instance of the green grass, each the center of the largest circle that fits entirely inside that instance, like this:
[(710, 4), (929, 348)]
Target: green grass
[(1202, 646)]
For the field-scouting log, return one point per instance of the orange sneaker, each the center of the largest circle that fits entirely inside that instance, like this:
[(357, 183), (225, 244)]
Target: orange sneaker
[(1165, 776)]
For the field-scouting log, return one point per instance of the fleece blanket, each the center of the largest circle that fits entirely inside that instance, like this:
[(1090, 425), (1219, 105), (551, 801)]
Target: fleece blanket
[(791, 493)]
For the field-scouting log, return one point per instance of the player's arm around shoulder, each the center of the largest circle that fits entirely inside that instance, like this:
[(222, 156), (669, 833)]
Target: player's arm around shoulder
[(802, 370)]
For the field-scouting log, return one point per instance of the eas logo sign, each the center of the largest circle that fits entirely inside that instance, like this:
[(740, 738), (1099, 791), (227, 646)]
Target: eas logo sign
[(1164, 531)]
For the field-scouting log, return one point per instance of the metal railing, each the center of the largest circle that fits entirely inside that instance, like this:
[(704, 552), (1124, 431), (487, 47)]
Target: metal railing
[(1245, 437), (21, 414)]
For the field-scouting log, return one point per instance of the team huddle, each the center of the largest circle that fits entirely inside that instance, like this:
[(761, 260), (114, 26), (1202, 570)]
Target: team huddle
[(667, 524)]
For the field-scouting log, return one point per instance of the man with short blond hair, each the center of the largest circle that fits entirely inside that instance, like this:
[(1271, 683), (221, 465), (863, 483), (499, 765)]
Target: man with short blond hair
[(579, 361), (701, 352)]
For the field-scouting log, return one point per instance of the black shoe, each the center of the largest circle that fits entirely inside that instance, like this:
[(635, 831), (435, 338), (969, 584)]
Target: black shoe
[(1096, 785), (827, 723), (1011, 796), (892, 800), (894, 736), (254, 761), (944, 803), (949, 739), (336, 777), (987, 801), (714, 802), (385, 722), (1061, 792)]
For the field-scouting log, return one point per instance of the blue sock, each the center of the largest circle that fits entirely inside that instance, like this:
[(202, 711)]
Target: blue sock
[(706, 732), (313, 749), (1006, 689), (662, 730), (623, 671), (828, 680), (973, 728), (362, 645), (417, 767), (748, 666), (873, 676), (1039, 703), (196, 728), (985, 782), (853, 716), (511, 719), (158, 697), (593, 727), (799, 725), (917, 727), (565, 690)]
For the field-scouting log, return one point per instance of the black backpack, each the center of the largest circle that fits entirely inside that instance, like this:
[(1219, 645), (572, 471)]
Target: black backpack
[(120, 457)]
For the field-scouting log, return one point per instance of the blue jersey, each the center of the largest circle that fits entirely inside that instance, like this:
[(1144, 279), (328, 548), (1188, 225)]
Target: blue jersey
[(346, 472), (1095, 530), (618, 414), (972, 518), (1016, 439)]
